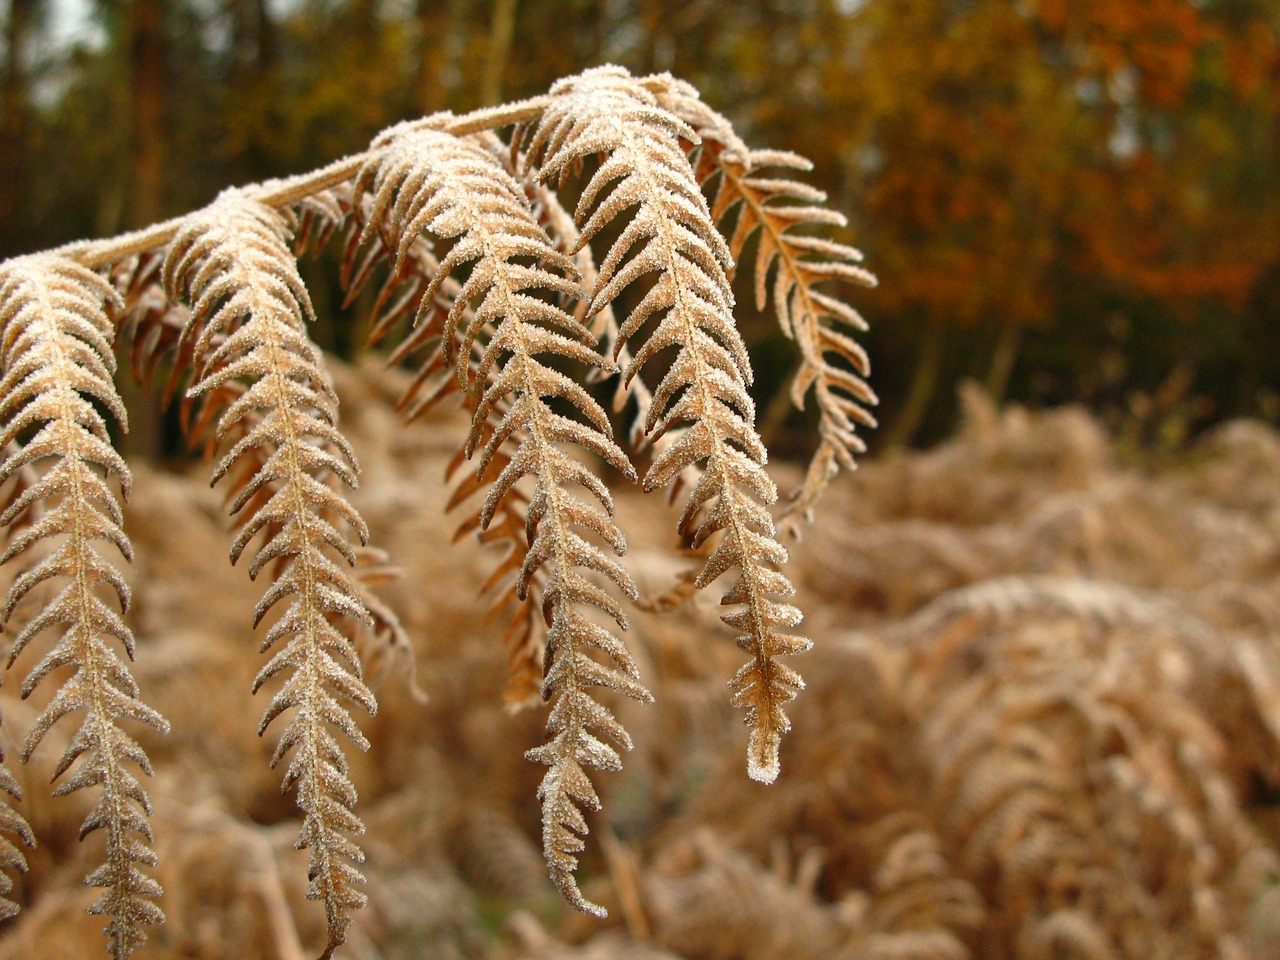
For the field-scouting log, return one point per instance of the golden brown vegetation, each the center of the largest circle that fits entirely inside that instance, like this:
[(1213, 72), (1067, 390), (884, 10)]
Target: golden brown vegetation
[(512, 317), (1045, 723)]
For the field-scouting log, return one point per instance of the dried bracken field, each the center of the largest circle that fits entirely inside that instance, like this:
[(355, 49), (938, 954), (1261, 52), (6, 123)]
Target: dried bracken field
[(1042, 721)]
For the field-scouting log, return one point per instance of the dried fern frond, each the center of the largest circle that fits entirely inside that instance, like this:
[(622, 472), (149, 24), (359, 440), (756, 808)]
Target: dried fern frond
[(55, 338), (382, 641), (603, 323), (721, 903), (919, 907), (320, 216), (247, 322), (1086, 809), (11, 824), (702, 399), (403, 295), (775, 206), (519, 599), (149, 327), (425, 179)]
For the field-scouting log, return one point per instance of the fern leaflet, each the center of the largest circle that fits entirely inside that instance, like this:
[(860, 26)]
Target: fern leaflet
[(247, 323), (455, 189), (702, 398), (56, 341), (832, 364)]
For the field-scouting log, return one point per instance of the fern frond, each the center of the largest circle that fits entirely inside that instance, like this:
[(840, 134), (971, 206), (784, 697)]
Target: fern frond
[(320, 216), (149, 326), (11, 822), (11, 857), (917, 898), (791, 266), (702, 399), (524, 636), (383, 642), (403, 295), (247, 324), (731, 906), (425, 179), (55, 348)]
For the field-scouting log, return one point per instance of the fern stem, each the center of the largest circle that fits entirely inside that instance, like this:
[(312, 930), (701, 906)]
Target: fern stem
[(123, 935), (762, 762), (96, 254)]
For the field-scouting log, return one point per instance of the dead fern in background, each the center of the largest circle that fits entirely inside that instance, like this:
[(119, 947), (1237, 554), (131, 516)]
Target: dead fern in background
[(468, 235), (1044, 723)]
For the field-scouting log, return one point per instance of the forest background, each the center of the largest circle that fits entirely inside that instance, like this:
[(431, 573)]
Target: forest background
[(1063, 200), (1043, 714)]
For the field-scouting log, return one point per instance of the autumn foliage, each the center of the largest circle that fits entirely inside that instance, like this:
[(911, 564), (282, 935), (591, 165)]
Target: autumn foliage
[(1072, 199)]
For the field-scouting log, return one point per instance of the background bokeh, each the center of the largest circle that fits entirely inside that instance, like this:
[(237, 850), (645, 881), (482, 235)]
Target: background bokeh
[(1042, 719), (1063, 200)]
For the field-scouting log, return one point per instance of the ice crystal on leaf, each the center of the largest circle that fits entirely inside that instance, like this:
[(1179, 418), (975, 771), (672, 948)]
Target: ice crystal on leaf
[(56, 340), (504, 303), (702, 397)]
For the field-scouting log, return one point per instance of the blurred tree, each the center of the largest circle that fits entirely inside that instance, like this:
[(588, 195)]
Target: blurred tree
[(433, 20), (501, 29), (1012, 156), (147, 146), (969, 145), (1061, 198), (22, 22), (252, 86)]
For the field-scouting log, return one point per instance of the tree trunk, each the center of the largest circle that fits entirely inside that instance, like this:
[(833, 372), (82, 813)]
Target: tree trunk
[(924, 383), (252, 80), (1003, 359), (146, 112), (434, 19), (501, 29), (146, 188), (253, 38), (13, 124)]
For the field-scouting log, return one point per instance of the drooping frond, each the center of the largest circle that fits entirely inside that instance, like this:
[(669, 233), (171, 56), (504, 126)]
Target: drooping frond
[(517, 598), (382, 642), (603, 322), (424, 179), (55, 350), (401, 298), (562, 229), (702, 399), (320, 216), (149, 328), (791, 267), (11, 824), (247, 326)]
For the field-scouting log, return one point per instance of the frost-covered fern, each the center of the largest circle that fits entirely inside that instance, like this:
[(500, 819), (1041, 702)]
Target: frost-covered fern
[(503, 303)]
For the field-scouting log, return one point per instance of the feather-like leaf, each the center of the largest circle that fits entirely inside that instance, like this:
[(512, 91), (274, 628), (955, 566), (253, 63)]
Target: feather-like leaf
[(789, 267), (55, 361), (425, 179), (702, 403), (247, 324)]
